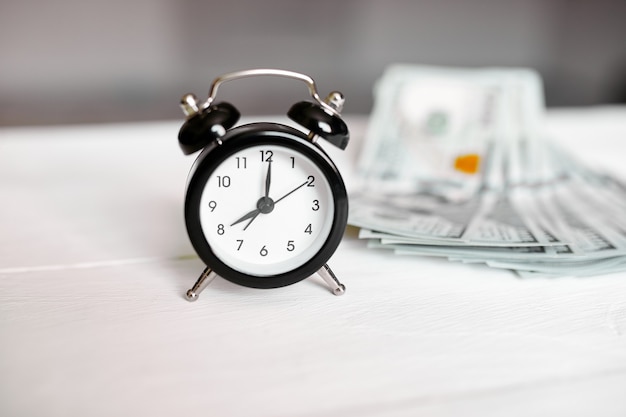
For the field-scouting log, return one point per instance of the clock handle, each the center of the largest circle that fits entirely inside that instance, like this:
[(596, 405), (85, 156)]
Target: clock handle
[(328, 275), (203, 281), (332, 107)]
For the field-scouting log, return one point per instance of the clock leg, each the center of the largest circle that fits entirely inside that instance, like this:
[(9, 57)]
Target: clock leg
[(327, 275), (203, 281)]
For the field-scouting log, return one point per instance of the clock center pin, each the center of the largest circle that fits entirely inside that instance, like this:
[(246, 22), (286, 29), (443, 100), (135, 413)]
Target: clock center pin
[(265, 205)]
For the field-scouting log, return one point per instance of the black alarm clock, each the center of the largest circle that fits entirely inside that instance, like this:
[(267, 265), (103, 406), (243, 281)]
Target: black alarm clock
[(265, 206)]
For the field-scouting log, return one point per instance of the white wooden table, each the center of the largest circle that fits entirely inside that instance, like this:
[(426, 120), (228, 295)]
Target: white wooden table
[(94, 263)]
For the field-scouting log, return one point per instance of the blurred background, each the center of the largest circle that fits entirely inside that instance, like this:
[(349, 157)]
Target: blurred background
[(81, 61)]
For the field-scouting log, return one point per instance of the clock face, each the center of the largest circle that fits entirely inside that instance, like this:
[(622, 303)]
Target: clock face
[(266, 209)]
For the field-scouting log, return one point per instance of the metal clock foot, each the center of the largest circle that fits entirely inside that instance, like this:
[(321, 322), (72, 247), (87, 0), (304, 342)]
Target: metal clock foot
[(203, 281), (327, 275)]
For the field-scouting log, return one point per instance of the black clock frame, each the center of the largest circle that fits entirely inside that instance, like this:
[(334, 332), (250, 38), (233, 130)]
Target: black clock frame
[(238, 139)]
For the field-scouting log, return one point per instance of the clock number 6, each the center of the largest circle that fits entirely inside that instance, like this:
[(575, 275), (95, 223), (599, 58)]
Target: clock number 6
[(263, 251)]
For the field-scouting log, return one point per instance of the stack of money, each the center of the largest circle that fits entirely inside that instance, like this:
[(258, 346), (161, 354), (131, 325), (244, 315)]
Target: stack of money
[(455, 165)]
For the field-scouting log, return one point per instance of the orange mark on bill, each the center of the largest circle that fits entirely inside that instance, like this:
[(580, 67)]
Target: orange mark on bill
[(469, 164)]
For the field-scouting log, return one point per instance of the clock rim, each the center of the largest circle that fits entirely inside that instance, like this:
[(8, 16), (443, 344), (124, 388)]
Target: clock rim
[(249, 135)]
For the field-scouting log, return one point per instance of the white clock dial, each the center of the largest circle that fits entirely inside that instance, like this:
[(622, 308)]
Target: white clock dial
[(266, 210)]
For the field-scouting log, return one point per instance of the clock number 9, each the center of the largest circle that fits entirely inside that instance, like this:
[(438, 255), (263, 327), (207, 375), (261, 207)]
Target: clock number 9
[(212, 205)]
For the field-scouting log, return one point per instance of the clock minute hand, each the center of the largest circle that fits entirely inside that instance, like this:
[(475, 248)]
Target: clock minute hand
[(292, 191), (268, 179)]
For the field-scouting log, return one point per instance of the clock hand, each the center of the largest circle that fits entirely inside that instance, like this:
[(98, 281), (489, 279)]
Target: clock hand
[(251, 220), (252, 214), (265, 204), (292, 191), (262, 204), (268, 179)]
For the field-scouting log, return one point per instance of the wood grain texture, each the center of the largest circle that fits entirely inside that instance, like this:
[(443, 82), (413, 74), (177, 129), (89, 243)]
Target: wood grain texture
[(94, 262)]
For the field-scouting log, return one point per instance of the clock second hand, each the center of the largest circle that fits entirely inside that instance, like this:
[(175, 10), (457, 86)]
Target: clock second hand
[(254, 213), (292, 191)]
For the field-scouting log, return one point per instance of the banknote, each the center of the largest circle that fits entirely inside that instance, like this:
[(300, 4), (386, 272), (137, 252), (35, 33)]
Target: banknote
[(456, 164), (433, 128), (488, 219), (429, 129)]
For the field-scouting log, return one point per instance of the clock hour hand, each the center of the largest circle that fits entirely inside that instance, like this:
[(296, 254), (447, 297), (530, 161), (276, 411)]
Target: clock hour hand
[(262, 204), (252, 214), (251, 220)]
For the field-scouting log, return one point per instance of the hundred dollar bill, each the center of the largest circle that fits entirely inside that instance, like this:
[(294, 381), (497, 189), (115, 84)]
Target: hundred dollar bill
[(412, 215), (473, 254), (469, 175), (432, 128), (596, 242), (598, 193), (487, 219), (570, 268)]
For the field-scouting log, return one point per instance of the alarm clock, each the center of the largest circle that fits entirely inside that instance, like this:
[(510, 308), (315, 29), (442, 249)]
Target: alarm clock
[(265, 206)]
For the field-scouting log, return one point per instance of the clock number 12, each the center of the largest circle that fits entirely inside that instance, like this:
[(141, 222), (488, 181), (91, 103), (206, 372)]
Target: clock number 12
[(266, 156)]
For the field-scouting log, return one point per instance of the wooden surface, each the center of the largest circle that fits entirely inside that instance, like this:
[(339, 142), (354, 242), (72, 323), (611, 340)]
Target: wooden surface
[(94, 262)]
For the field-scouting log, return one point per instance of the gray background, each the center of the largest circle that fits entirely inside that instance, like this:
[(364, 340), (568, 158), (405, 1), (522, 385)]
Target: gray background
[(77, 61)]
